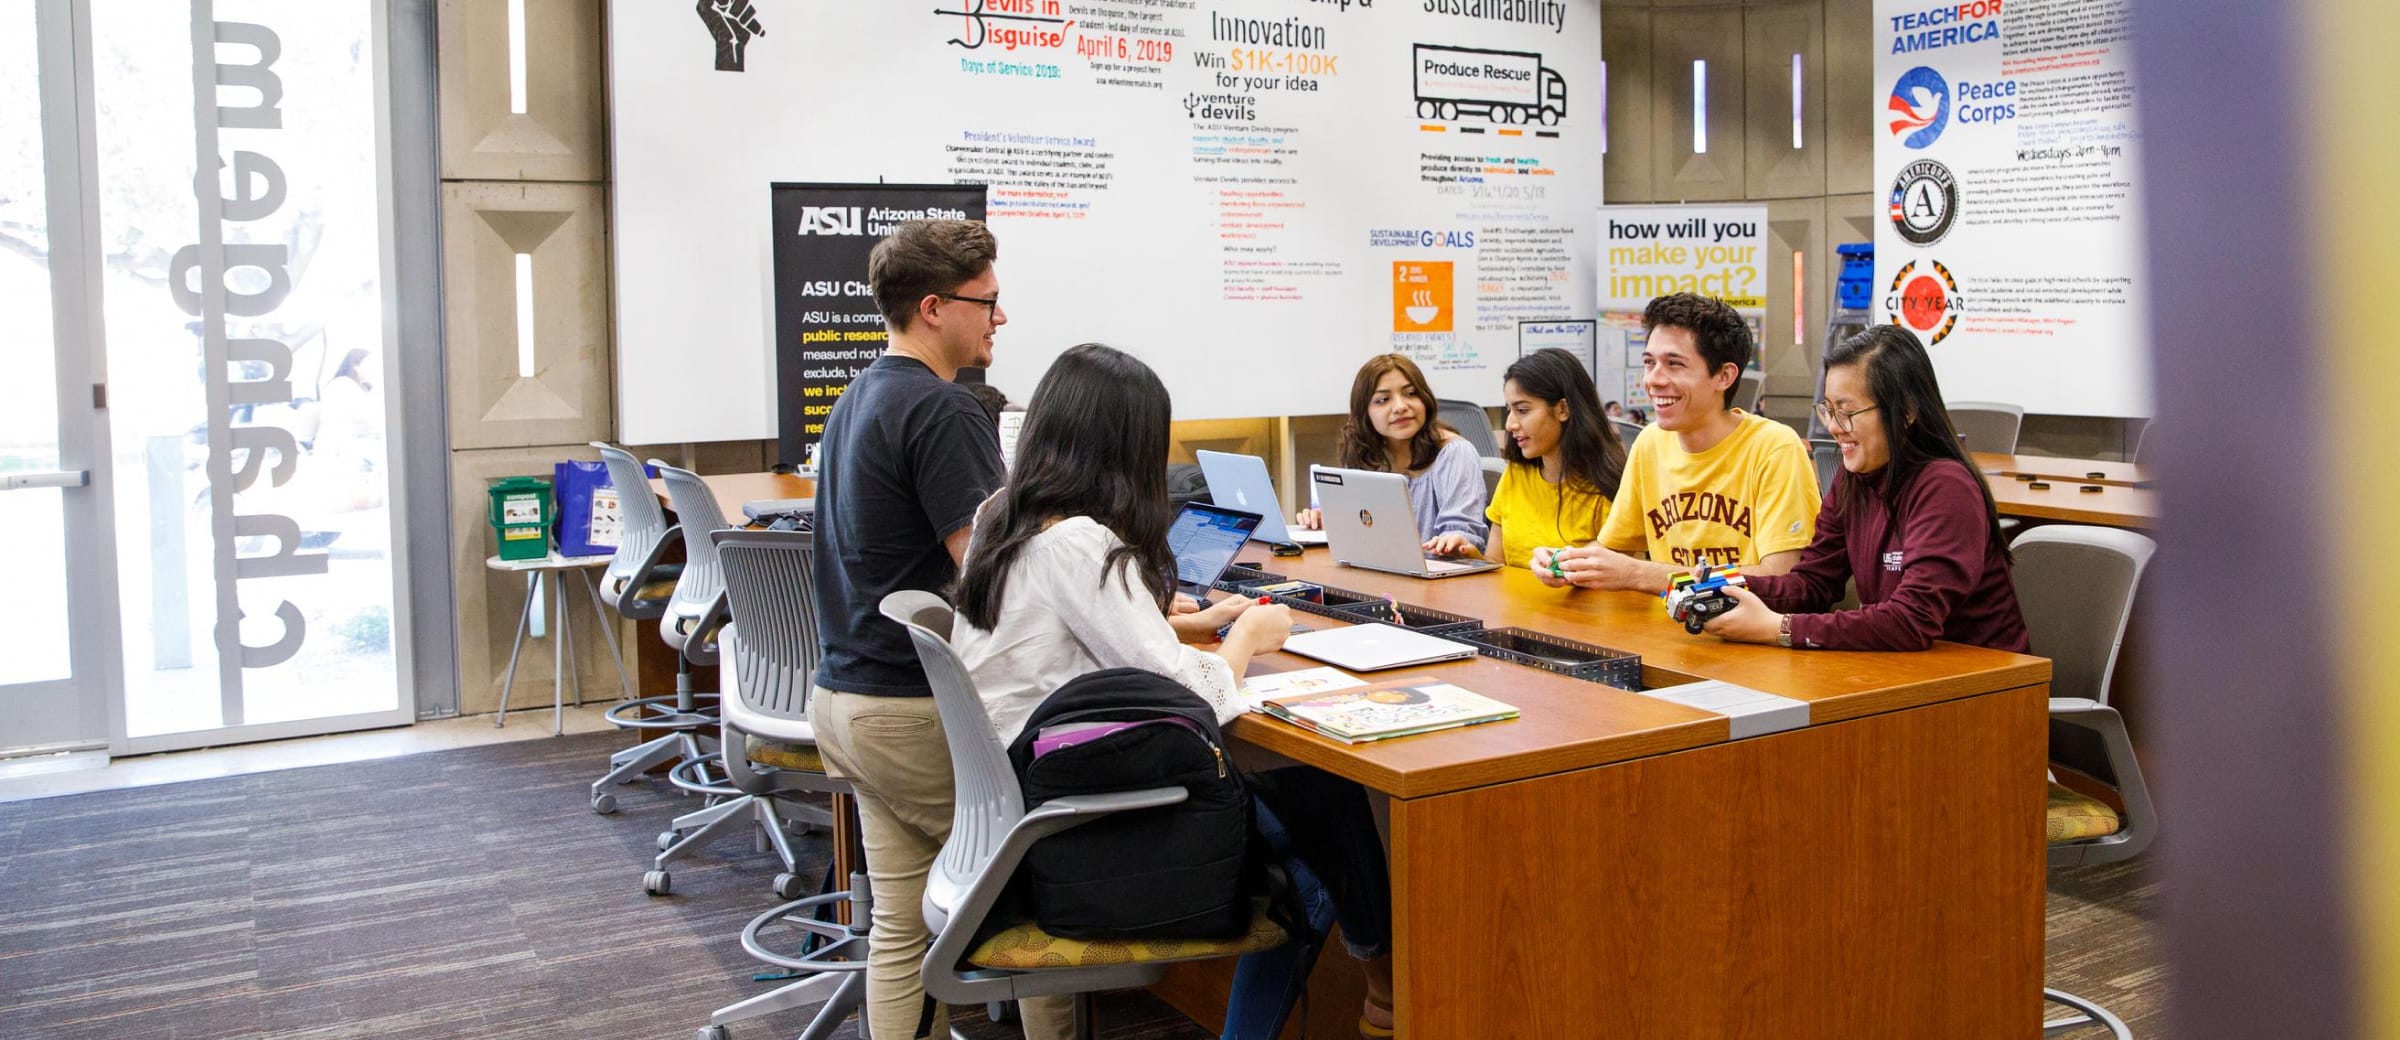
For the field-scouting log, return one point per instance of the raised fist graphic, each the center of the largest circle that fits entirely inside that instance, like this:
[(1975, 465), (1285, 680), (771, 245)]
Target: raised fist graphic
[(731, 23)]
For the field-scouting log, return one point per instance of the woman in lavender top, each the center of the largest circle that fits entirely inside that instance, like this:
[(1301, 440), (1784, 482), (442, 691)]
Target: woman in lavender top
[(1392, 429)]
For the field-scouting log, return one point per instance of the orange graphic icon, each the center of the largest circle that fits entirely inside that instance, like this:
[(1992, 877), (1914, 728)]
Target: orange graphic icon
[(1421, 299)]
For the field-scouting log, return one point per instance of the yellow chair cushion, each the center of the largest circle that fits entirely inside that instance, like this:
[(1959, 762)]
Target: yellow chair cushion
[(1026, 947), (801, 758), (2075, 816)]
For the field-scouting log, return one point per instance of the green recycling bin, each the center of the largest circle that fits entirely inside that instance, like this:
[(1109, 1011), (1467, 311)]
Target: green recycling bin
[(521, 515)]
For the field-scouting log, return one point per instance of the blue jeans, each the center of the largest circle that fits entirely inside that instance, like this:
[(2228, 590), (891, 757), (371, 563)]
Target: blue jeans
[(1320, 826)]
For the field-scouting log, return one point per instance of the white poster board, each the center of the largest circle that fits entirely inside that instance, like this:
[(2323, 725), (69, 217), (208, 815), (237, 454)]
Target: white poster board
[(1251, 195), (2007, 145)]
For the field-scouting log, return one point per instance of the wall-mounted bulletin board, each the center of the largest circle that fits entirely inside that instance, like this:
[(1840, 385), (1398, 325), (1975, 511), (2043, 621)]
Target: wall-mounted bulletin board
[(1251, 195)]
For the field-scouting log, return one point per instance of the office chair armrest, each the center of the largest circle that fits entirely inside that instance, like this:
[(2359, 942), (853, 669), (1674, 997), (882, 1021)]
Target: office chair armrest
[(955, 926), (700, 644), (652, 568)]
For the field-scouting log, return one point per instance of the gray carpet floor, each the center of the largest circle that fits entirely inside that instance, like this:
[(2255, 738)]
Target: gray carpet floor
[(473, 894)]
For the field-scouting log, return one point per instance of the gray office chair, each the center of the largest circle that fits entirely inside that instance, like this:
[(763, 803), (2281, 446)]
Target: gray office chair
[(990, 830), (771, 653), (1626, 429), (1753, 385), (694, 622), (640, 582), (1493, 468), (1827, 456), (1471, 422), (2076, 586), (1987, 425)]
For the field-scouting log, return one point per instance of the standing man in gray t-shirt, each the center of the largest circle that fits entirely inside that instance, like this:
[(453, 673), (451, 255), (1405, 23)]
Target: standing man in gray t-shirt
[(907, 456)]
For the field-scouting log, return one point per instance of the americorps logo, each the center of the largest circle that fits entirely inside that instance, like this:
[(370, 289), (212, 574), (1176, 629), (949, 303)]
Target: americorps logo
[(1920, 106)]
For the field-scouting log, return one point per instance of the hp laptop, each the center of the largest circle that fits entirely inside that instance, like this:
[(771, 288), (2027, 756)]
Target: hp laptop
[(1376, 646), (1370, 524), (1204, 539), (1241, 482)]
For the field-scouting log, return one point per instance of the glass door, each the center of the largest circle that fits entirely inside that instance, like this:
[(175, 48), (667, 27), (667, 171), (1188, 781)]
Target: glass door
[(243, 206), (55, 643)]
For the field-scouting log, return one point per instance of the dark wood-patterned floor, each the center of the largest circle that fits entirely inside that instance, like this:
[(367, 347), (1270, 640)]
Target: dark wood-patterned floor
[(472, 894)]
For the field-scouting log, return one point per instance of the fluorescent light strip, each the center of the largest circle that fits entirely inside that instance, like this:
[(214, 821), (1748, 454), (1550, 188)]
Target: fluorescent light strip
[(516, 58), (1699, 106), (1604, 108), (1796, 100), (525, 315), (1799, 300)]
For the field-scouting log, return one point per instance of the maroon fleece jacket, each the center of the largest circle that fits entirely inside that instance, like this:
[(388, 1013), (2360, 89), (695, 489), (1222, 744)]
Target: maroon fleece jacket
[(1927, 570)]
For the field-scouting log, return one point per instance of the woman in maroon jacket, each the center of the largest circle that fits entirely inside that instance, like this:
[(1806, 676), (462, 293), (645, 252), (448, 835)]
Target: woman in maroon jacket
[(1909, 517)]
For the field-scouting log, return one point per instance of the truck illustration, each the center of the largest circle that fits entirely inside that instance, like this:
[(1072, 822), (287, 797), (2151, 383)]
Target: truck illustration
[(1499, 86)]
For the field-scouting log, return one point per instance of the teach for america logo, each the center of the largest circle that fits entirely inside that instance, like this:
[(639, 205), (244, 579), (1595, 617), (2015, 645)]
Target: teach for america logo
[(1920, 106)]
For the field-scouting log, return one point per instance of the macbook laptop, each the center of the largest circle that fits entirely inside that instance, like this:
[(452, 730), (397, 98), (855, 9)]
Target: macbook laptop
[(1204, 539), (1376, 646), (1241, 482), (1369, 523)]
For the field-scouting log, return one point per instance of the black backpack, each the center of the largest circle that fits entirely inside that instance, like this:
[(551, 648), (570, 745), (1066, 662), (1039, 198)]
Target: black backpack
[(1180, 871)]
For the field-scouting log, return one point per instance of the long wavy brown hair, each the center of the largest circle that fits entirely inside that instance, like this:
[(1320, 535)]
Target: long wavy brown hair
[(1362, 447)]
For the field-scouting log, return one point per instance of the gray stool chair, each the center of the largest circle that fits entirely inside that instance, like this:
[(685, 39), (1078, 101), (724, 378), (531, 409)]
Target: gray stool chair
[(771, 651), (1987, 425), (640, 584)]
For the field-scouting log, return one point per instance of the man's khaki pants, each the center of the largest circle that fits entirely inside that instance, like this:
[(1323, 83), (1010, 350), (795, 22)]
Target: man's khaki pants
[(892, 751)]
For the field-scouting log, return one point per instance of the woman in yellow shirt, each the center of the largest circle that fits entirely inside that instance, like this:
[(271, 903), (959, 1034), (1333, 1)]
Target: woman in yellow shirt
[(1564, 459)]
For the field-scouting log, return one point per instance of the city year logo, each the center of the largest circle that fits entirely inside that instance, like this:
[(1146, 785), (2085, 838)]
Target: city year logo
[(1924, 202), (1920, 106), (1925, 299)]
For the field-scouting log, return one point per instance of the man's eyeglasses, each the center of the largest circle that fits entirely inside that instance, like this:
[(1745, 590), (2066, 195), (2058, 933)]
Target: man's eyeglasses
[(1836, 419), (991, 302)]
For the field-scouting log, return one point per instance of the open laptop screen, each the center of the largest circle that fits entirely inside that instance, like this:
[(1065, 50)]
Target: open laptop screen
[(1204, 539)]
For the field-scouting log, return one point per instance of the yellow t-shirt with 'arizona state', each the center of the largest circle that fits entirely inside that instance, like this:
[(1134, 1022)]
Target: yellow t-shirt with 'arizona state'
[(1751, 496)]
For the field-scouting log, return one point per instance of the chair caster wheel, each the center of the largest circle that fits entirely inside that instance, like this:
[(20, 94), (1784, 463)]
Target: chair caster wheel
[(657, 882), (604, 804), (790, 886), (1001, 1011), (715, 1033), (666, 840)]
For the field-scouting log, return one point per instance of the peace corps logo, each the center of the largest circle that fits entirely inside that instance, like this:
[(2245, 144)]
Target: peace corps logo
[(1919, 106), (1925, 299), (1924, 202)]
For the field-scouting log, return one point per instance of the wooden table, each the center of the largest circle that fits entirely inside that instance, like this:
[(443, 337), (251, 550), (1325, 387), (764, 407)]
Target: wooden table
[(735, 490), (2081, 471), (1610, 865), (2113, 505)]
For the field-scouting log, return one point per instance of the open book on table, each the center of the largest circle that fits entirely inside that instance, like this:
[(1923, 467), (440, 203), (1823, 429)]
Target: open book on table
[(1393, 708)]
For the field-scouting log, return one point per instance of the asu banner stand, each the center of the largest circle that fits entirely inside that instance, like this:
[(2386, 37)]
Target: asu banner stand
[(827, 328)]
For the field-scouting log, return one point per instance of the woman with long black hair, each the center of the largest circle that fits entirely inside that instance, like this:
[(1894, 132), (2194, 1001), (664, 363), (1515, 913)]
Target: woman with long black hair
[(1564, 460), (1068, 572), (1909, 517)]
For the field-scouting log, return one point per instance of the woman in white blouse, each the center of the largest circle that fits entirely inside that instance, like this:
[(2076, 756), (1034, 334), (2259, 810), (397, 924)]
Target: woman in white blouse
[(1069, 572)]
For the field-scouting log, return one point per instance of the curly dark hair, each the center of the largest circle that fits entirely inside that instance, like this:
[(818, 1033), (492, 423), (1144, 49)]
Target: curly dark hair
[(923, 258), (1722, 336)]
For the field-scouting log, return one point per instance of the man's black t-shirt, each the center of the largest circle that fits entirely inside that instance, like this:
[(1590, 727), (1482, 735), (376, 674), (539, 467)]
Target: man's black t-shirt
[(905, 460)]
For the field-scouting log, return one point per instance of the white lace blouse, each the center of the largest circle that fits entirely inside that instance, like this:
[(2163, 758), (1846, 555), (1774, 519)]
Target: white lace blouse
[(1064, 613)]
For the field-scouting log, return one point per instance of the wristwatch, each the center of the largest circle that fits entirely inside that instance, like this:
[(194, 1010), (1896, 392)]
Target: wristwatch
[(1783, 632)]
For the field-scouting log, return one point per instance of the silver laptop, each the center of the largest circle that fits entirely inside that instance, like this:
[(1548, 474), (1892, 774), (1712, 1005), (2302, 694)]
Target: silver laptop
[(1241, 482), (1376, 646), (1369, 523)]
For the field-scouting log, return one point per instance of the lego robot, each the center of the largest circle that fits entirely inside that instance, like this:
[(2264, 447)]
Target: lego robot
[(1700, 596)]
